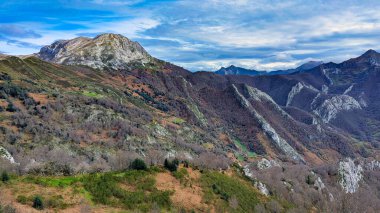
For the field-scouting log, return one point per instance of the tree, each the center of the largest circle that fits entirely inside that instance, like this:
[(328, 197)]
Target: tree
[(138, 164), (171, 165), (5, 177), (38, 203)]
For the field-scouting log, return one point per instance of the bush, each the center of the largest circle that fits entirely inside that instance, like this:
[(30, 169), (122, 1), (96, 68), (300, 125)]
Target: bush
[(5, 177), (38, 203), (171, 165), (11, 107), (138, 164), (22, 199), (181, 174)]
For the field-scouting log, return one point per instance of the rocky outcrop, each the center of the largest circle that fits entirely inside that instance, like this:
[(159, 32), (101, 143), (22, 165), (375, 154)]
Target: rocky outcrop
[(107, 50), (259, 185), (6, 155), (293, 92), (260, 96), (332, 106), (266, 164), (372, 165), (296, 89), (326, 74), (262, 188), (348, 90), (350, 175), (281, 143)]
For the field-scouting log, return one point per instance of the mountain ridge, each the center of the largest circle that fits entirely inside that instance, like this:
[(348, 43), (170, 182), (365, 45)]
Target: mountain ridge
[(234, 70)]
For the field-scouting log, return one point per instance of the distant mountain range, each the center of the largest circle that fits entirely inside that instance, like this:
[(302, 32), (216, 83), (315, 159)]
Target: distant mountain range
[(233, 70)]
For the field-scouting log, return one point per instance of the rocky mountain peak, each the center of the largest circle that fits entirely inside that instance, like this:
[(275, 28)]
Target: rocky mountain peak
[(108, 50), (370, 56)]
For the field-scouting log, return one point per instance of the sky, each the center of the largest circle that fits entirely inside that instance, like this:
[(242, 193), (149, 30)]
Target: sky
[(203, 34)]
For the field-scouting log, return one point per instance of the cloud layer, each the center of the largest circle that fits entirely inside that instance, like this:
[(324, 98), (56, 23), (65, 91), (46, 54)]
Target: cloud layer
[(204, 35)]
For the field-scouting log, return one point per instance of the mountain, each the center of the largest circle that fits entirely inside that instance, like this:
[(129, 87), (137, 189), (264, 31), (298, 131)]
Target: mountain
[(79, 107), (233, 70), (104, 51)]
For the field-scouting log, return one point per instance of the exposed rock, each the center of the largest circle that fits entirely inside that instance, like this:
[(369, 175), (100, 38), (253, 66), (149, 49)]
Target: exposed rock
[(348, 90), (325, 89), (281, 143), (6, 155), (266, 164), (107, 50), (331, 107), (288, 185), (191, 105), (325, 73), (258, 95), (350, 175), (372, 165), (296, 89), (293, 92), (362, 101), (259, 185), (247, 171), (262, 188), (318, 184)]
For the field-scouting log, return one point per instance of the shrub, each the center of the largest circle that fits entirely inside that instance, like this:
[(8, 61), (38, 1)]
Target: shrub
[(5, 177), (22, 199), (171, 165), (56, 201), (11, 107), (181, 174), (229, 189), (138, 164), (38, 203)]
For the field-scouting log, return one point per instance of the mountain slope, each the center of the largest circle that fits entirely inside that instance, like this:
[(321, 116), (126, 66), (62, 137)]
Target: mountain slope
[(70, 117)]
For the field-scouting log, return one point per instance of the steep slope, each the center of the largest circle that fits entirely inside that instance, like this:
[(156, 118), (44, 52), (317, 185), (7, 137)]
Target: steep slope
[(166, 108), (342, 95)]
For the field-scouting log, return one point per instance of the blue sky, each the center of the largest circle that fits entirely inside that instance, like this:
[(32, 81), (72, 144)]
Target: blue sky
[(203, 34)]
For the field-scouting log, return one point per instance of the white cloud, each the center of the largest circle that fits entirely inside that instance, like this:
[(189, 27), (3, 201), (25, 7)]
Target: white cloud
[(13, 49), (130, 28)]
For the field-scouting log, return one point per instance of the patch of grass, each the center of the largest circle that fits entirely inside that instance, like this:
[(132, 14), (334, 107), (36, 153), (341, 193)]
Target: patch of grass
[(52, 181), (221, 188), (178, 121), (244, 149), (92, 94), (105, 189)]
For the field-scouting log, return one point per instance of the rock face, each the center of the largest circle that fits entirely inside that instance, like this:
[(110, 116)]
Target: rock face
[(107, 50), (350, 175), (6, 155), (281, 143), (266, 164), (331, 107)]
